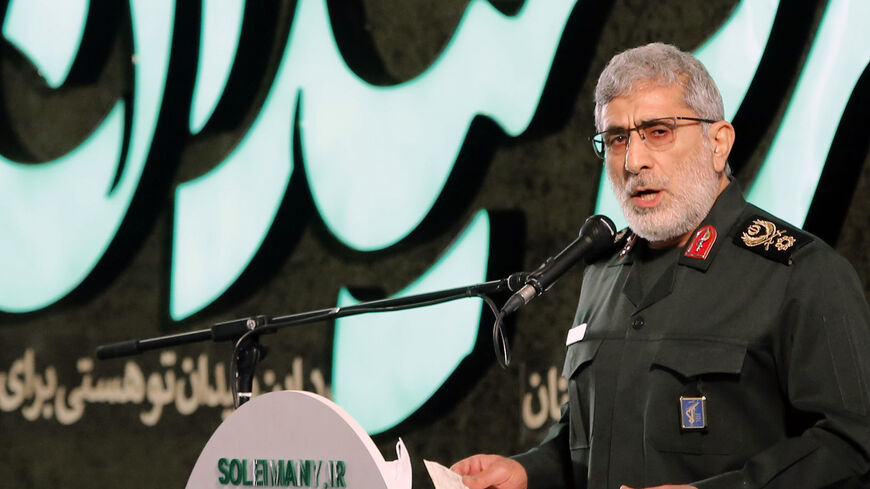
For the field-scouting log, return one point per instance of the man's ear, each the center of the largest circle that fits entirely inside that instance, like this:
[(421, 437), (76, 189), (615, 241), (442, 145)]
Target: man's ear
[(721, 135)]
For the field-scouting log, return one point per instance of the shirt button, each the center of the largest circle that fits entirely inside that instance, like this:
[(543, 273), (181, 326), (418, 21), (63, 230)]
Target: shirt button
[(637, 322)]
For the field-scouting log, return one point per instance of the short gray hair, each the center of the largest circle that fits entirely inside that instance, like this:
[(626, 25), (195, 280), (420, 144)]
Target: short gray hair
[(659, 64)]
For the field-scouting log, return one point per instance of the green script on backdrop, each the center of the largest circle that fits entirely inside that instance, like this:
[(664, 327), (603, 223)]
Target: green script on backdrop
[(376, 159)]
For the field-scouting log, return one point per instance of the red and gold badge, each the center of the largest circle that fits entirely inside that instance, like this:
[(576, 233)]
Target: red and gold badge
[(702, 243)]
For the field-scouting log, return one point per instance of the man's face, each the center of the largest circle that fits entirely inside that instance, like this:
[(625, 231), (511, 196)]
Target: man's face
[(664, 194)]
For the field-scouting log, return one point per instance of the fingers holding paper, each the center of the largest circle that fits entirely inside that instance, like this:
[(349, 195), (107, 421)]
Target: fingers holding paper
[(491, 471)]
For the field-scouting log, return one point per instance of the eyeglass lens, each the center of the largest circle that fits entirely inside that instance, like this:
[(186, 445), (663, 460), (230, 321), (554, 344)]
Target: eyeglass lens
[(657, 134)]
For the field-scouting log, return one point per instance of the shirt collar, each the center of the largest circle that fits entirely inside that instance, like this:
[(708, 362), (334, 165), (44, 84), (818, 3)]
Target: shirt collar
[(708, 238)]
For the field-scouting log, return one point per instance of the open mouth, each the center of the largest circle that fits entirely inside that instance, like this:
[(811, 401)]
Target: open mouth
[(648, 194), (646, 197)]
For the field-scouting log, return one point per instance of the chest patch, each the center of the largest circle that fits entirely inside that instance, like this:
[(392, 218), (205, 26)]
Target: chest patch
[(693, 413)]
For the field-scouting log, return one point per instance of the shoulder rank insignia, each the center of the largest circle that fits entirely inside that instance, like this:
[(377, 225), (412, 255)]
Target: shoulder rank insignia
[(770, 239), (620, 235)]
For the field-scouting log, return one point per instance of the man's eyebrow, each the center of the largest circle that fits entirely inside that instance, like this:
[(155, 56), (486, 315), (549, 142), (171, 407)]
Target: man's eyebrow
[(644, 122)]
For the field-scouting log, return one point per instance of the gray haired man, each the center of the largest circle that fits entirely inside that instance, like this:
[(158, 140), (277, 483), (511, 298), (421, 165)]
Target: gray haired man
[(720, 347)]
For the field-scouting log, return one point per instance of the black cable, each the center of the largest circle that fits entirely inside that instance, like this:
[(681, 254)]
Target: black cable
[(503, 354)]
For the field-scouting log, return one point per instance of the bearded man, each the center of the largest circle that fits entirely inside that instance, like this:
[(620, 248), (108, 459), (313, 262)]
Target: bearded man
[(720, 347)]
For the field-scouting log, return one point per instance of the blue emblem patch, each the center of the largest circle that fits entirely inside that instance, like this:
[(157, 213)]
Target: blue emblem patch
[(693, 412)]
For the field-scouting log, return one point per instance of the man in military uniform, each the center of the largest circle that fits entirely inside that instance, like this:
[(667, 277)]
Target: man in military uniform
[(719, 347)]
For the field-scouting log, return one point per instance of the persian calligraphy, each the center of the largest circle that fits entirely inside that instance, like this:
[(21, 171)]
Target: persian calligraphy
[(195, 384)]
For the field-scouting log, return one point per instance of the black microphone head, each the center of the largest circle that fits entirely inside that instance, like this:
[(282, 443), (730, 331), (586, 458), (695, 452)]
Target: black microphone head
[(596, 236), (599, 231)]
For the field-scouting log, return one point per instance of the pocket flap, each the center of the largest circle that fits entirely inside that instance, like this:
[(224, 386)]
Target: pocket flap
[(579, 354), (691, 358)]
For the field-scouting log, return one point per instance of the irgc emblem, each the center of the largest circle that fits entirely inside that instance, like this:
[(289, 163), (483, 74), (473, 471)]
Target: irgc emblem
[(762, 232), (693, 413), (771, 239)]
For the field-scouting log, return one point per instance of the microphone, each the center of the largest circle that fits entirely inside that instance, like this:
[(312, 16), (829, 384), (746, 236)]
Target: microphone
[(596, 236)]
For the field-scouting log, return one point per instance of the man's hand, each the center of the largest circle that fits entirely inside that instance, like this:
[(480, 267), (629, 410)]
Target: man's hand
[(482, 471), (666, 486)]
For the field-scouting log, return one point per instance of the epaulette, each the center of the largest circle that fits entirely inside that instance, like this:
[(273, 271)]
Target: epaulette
[(770, 238), (621, 236)]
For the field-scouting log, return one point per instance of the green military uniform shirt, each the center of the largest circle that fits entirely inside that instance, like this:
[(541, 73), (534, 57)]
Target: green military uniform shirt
[(739, 361)]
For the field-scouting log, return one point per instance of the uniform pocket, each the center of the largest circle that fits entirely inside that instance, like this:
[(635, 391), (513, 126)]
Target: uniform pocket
[(578, 355), (578, 360), (694, 358), (696, 368)]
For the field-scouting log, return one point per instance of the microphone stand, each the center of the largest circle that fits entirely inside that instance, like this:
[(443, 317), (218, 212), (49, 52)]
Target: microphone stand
[(245, 332)]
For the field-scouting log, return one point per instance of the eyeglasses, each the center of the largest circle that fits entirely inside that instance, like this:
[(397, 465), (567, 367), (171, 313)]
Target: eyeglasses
[(657, 135)]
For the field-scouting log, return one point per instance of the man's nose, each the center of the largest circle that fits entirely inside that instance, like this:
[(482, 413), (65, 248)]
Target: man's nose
[(637, 155)]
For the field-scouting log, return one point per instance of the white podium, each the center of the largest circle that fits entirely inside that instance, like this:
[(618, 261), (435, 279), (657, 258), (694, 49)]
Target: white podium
[(296, 439)]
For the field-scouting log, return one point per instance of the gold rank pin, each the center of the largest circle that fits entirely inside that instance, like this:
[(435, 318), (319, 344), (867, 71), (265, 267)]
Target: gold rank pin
[(771, 238)]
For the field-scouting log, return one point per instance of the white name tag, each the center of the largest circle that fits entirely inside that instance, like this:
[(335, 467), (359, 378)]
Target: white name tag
[(575, 334)]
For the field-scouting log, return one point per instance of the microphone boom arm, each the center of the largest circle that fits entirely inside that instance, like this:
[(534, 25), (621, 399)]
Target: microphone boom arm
[(234, 329)]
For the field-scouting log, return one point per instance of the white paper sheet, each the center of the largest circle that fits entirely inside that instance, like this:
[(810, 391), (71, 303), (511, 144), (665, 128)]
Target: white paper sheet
[(442, 477)]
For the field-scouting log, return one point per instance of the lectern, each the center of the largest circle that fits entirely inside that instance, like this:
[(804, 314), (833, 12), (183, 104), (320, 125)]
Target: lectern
[(296, 439)]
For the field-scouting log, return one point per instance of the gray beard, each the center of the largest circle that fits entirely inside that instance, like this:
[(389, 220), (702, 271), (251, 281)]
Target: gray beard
[(683, 213)]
